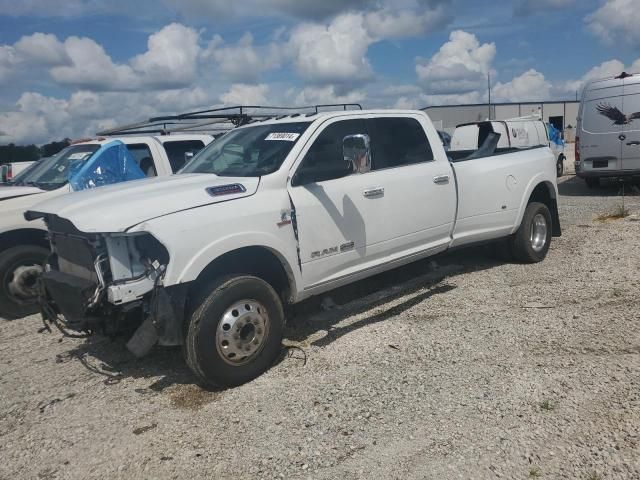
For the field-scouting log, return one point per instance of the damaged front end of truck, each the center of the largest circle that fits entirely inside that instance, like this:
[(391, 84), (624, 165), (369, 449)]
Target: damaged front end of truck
[(111, 284)]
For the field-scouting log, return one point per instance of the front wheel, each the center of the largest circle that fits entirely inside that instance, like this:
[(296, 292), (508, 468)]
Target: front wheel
[(531, 241), (20, 268), (235, 331)]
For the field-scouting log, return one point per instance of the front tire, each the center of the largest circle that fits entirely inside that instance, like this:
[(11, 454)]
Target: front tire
[(235, 331), (19, 269), (531, 241)]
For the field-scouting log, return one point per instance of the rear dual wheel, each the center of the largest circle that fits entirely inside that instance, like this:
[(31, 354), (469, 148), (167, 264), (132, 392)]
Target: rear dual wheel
[(235, 331), (531, 241)]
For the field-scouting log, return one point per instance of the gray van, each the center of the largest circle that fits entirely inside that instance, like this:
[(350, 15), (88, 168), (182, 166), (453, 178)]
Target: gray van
[(608, 130)]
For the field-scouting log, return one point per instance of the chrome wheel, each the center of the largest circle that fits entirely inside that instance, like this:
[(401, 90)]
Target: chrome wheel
[(22, 283), (538, 237), (242, 332)]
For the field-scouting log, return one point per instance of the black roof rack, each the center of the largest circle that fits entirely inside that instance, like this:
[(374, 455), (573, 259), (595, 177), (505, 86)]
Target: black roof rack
[(217, 119)]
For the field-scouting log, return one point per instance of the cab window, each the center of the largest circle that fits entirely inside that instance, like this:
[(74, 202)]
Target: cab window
[(177, 151), (396, 142), (142, 155)]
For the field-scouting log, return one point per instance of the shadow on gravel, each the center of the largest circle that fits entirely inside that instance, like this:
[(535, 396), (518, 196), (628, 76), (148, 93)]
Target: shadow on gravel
[(577, 187), (319, 314), (110, 359)]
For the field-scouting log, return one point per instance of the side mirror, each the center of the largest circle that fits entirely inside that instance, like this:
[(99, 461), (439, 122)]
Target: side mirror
[(357, 151), (188, 156)]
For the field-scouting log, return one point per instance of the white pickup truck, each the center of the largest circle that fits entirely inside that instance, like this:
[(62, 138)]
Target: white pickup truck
[(24, 246), (273, 213)]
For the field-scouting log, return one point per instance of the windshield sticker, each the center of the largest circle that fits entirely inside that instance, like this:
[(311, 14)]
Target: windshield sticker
[(284, 136), (78, 155)]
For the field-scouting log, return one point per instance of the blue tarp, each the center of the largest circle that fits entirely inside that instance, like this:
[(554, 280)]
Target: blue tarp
[(555, 135), (112, 163)]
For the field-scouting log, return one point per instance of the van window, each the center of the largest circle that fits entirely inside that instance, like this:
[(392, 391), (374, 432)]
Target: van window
[(396, 142), (144, 159), (177, 149)]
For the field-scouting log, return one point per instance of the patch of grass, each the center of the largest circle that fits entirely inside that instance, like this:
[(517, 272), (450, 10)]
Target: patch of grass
[(535, 472), (618, 292), (547, 405), (594, 476)]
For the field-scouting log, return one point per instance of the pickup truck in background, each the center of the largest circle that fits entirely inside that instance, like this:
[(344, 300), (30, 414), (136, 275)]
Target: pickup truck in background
[(24, 245), (520, 132), (8, 171), (273, 213)]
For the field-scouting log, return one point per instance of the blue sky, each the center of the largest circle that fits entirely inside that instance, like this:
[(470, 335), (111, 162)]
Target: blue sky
[(71, 67)]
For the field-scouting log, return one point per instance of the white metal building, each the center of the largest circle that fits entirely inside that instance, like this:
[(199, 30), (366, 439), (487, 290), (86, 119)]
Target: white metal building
[(562, 114)]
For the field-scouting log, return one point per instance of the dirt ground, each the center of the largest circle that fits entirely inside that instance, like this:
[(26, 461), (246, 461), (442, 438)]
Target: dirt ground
[(458, 367)]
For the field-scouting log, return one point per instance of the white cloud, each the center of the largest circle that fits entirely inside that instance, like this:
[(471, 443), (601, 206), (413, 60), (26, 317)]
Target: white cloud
[(8, 61), (92, 68), (610, 68), (332, 54), (171, 58), (616, 20), (244, 94), (244, 61), (40, 119), (171, 61), (388, 23), (530, 86), (43, 48), (458, 70)]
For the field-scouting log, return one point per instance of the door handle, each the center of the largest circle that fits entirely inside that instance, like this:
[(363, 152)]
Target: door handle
[(635, 142), (374, 192), (440, 179)]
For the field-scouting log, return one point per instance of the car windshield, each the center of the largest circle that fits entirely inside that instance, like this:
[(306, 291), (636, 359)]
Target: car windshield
[(53, 172), (248, 152)]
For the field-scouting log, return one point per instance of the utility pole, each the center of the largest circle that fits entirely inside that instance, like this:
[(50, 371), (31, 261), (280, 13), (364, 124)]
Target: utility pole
[(489, 89)]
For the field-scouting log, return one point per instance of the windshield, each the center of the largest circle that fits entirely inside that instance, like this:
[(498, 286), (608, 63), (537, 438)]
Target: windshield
[(53, 172), (248, 152)]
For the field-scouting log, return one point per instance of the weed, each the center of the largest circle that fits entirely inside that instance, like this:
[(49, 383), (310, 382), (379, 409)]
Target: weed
[(594, 476), (535, 472), (547, 405), (618, 212)]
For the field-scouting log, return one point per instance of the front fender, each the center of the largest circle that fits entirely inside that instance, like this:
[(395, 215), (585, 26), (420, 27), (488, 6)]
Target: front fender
[(223, 245)]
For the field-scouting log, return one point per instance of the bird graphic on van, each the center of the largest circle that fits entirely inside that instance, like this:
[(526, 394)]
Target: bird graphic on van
[(616, 115)]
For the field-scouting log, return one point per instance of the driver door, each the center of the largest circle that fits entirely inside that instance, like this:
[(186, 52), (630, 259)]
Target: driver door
[(331, 213)]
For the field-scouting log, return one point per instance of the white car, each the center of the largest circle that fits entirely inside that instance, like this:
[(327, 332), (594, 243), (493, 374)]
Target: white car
[(273, 213), (24, 245)]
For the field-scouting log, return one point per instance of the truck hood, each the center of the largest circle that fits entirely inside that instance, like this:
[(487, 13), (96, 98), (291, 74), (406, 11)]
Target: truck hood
[(17, 191), (116, 208)]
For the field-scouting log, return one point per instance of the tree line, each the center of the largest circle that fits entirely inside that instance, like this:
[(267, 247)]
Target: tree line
[(30, 153)]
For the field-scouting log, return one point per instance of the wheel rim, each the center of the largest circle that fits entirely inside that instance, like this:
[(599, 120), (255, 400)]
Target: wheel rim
[(242, 332), (538, 236), (20, 282)]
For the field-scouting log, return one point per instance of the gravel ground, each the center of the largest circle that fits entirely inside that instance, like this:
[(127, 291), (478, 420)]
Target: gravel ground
[(462, 367)]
